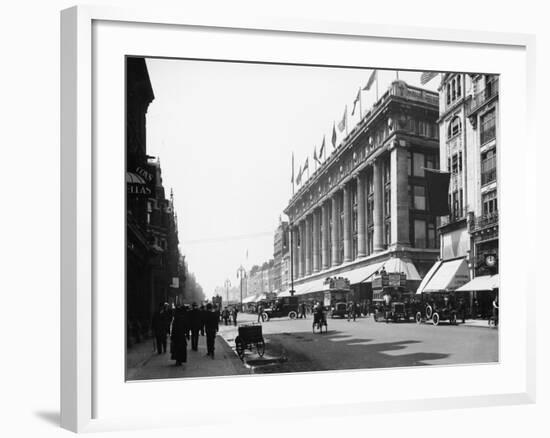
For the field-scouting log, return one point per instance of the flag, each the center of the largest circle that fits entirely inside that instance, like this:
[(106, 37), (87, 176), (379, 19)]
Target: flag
[(372, 78), (357, 99), (299, 176), (342, 124), (427, 76), (437, 188), (306, 165), (333, 135), (292, 177), (322, 150), (315, 155)]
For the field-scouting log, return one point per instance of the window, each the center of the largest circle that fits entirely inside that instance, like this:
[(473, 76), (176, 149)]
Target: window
[(419, 233), (489, 201), (370, 210), (387, 233), (454, 128), (370, 238), (387, 201), (454, 90), (488, 127), (488, 167), (418, 197), (418, 164), (432, 242), (354, 222)]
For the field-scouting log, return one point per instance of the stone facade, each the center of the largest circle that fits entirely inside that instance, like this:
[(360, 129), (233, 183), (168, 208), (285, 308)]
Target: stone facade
[(367, 201)]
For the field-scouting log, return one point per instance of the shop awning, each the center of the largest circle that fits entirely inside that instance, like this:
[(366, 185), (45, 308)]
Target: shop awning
[(360, 275), (310, 286), (446, 275), (285, 293), (396, 264), (249, 299), (483, 282), (134, 178)]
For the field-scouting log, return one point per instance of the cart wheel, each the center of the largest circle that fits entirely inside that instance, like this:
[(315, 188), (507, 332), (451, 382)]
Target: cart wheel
[(418, 317), (429, 311), (239, 345), (292, 314), (260, 347), (265, 317), (452, 319), (435, 318)]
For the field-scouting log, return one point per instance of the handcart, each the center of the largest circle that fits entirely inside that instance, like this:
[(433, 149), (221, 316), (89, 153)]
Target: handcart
[(250, 336)]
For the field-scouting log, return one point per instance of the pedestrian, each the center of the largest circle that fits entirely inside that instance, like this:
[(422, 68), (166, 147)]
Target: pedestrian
[(303, 310), (211, 324), (462, 309), (234, 315), (225, 315), (260, 313), (202, 311), (180, 336), (475, 308), (195, 322), (495, 310), (161, 327)]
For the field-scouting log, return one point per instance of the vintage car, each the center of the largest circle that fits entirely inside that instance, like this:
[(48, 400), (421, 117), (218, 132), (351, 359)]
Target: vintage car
[(437, 307), (339, 310), (282, 307)]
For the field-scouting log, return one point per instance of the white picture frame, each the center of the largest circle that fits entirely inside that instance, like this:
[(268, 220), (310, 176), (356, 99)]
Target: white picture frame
[(83, 172)]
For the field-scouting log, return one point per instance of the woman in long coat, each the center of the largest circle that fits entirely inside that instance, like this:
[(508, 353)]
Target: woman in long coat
[(180, 335)]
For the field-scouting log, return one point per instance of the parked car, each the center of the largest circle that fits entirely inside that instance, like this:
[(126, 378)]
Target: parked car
[(283, 307)]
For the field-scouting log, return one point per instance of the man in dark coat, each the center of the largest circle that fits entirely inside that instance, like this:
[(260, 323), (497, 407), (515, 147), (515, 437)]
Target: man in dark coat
[(180, 335), (234, 315), (211, 326), (161, 327), (202, 309), (194, 317)]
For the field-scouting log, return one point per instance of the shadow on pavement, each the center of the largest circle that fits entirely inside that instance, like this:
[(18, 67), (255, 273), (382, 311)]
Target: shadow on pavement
[(335, 350)]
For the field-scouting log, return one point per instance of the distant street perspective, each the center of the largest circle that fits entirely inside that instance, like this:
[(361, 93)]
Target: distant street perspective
[(284, 218)]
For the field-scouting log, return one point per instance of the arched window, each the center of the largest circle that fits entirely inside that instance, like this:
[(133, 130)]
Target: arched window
[(454, 128)]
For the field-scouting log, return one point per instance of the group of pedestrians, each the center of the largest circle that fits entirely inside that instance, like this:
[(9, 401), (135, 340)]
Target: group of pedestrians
[(183, 324), (229, 315)]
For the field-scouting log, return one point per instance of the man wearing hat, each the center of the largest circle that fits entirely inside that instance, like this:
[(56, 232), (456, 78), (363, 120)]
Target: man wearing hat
[(195, 324)]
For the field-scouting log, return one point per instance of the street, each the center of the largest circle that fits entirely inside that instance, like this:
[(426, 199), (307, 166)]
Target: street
[(292, 347)]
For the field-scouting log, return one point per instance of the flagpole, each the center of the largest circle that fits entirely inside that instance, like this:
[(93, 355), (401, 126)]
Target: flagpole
[(346, 120), (360, 105), (376, 85), (293, 174)]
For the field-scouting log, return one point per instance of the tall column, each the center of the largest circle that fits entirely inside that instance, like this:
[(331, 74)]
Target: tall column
[(378, 196), (301, 250), (334, 234), (307, 239), (399, 197), (295, 255), (347, 223), (324, 242), (361, 218), (315, 241)]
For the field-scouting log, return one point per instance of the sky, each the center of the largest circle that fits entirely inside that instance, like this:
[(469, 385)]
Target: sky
[(225, 134)]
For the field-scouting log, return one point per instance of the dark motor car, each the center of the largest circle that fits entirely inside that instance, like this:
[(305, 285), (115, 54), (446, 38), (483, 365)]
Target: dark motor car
[(339, 310), (283, 307)]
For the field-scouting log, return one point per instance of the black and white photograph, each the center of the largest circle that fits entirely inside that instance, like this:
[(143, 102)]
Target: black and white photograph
[(286, 218)]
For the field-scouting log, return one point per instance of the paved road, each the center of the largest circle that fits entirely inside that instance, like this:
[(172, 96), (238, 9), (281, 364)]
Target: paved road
[(291, 345)]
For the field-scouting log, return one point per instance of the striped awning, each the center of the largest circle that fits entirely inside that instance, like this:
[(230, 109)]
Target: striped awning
[(483, 282), (134, 178), (445, 276)]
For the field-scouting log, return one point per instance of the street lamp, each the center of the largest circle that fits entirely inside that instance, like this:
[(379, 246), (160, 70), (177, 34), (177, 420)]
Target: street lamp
[(227, 286), (241, 273)]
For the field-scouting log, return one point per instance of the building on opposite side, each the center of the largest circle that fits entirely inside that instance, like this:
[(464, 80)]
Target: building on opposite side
[(365, 207), (468, 124)]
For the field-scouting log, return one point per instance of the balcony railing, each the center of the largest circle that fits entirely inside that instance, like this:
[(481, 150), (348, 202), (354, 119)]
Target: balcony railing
[(490, 91), (485, 221)]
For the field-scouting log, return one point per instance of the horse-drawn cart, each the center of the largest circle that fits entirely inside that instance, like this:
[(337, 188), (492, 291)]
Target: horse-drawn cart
[(250, 336)]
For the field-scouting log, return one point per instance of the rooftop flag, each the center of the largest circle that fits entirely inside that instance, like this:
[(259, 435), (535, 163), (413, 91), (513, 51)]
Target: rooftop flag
[(427, 76), (315, 155), (372, 78), (343, 123), (333, 140), (357, 99), (322, 150)]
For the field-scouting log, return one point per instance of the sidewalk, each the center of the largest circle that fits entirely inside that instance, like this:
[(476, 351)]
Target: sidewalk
[(475, 323), (142, 363)]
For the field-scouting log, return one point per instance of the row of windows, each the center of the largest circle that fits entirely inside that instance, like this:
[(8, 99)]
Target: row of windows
[(453, 90)]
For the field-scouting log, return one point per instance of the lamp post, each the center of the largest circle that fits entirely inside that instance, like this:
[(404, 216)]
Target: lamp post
[(241, 273), (227, 286)]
